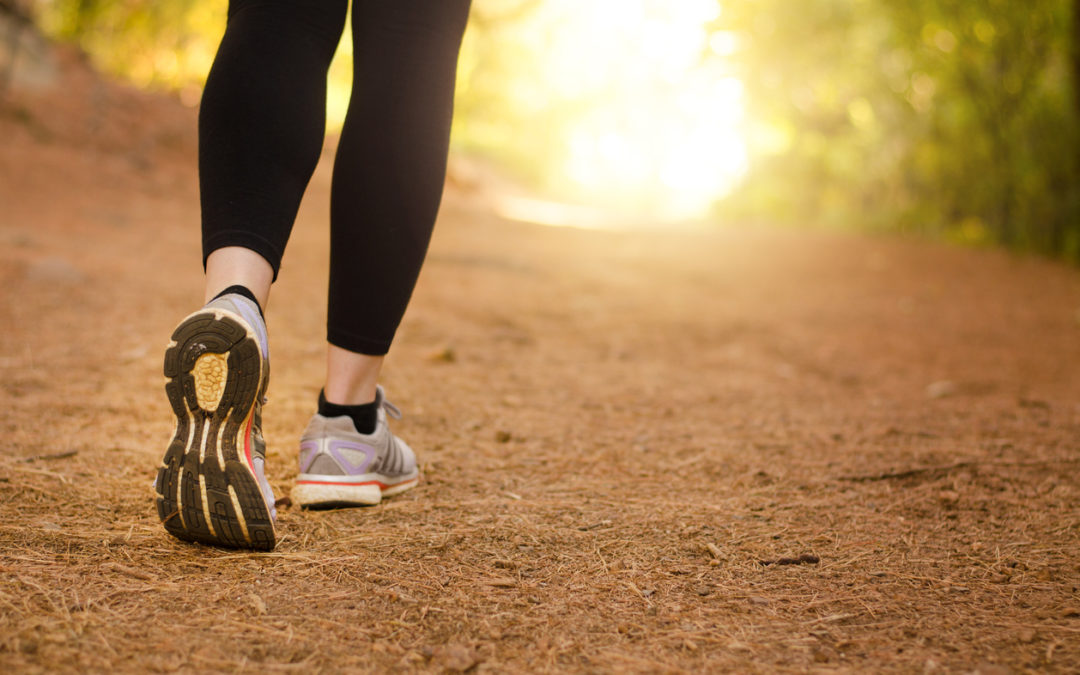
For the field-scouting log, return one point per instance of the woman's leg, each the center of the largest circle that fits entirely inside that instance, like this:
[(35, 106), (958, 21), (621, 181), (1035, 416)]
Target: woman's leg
[(261, 127), (388, 178)]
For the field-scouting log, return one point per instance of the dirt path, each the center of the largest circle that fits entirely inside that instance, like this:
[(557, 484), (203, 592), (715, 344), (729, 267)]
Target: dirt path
[(616, 432)]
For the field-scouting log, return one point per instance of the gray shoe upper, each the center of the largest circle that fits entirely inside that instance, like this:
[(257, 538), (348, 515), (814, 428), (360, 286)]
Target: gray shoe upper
[(331, 446), (249, 311)]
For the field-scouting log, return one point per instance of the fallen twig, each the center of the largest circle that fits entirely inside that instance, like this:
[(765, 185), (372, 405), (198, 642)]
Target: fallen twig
[(804, 559), (53, 455)]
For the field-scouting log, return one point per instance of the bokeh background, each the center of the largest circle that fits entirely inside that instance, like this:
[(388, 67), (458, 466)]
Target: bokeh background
[(956, 120), (780, 416)]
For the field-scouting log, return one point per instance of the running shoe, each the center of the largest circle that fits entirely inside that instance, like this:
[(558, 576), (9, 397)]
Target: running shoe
[(340, 466), (212, 486)]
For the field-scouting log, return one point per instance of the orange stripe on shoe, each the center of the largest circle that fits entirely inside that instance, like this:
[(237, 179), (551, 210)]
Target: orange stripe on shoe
[(247, 442)]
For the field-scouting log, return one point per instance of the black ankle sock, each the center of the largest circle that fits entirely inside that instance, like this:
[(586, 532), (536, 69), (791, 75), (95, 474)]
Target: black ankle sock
[(244, 291), (365, 416)]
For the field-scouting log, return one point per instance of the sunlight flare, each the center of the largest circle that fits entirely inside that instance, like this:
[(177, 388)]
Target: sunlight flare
[(651, 114)]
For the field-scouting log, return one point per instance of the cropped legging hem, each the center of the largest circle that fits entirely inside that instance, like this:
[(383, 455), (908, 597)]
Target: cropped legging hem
[(244, 239), (357, 343)]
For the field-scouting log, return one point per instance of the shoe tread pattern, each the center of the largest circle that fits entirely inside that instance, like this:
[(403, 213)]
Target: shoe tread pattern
[(182, 471)]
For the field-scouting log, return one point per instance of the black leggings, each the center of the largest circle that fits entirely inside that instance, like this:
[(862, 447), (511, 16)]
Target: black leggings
[(261, 129)]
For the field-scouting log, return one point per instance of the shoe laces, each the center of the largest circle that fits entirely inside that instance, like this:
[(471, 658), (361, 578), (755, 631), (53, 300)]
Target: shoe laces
[(391, 409)]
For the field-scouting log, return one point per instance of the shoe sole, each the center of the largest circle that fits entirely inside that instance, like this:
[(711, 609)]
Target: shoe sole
[(334, 492), (207, 489)]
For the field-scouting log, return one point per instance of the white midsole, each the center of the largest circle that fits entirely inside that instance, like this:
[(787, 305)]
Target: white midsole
[(363, 489)]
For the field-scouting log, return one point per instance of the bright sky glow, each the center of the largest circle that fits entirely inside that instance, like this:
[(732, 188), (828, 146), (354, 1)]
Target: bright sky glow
[(657, 125)]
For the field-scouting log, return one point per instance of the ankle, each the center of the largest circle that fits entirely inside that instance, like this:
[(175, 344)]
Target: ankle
[(351, 378)]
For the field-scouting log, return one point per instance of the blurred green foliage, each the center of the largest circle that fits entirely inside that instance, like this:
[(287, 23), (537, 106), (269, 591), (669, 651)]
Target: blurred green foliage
[(161, 44), (957, 118)]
